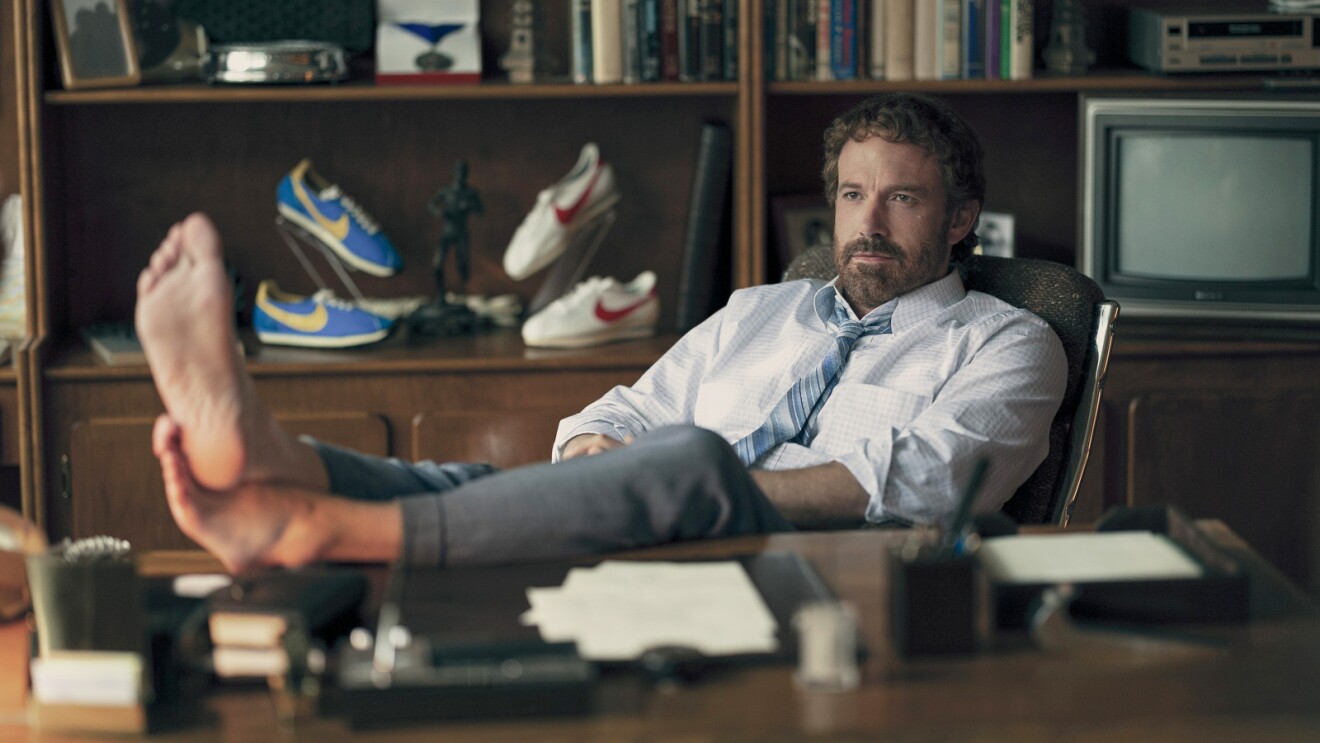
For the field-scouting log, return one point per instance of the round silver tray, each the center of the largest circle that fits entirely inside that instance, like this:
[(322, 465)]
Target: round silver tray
[(275, 62)]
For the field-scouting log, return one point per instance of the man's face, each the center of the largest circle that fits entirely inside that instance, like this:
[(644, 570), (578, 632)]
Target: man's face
[(891, 230)]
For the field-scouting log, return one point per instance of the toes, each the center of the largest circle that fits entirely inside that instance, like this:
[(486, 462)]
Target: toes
[(200, 239)]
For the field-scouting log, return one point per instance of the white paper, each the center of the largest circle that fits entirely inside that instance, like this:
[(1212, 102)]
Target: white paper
[(1075, 558), (619, 609)]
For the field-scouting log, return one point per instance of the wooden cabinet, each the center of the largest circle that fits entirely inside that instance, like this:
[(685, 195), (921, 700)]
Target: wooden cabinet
[(105, 172)]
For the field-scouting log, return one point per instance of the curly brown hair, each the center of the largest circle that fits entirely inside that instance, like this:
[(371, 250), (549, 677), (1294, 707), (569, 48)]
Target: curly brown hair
[(928, 123)]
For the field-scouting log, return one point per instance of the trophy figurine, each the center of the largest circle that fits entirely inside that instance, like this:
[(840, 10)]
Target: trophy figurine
[(453, 203)]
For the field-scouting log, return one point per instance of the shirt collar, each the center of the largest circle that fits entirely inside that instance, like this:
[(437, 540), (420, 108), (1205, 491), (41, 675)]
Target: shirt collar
[(908, 309)]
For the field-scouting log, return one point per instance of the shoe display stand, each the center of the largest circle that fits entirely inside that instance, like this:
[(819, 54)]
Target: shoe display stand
[(292, 234), (105, 172), (569, 269)]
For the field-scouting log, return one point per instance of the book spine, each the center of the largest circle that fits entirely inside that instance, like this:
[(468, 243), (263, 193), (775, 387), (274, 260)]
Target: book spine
[(606, 46), (925, 26), (875, 40), (1022, 41), (1005, 37), (973, 36), (899, 35), (990, 45), (701, 245), (689, 40), (580, 28), (712, 40), (730, 39), (648, 45), (824, 26), (669, 47), (951, 39), (843, 39), (630, 41)]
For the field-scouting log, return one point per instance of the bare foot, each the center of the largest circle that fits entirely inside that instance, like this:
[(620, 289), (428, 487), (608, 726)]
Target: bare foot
[(185, 320), (249, 526)]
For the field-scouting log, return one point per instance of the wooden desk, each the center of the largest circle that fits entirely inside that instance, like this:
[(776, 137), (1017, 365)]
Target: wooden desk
[(1262, 684)]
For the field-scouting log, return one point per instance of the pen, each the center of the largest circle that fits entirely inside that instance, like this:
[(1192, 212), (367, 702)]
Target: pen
[(962, 520)]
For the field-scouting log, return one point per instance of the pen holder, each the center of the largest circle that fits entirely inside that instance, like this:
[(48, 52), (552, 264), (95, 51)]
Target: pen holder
[(938, 603), (95, 606)]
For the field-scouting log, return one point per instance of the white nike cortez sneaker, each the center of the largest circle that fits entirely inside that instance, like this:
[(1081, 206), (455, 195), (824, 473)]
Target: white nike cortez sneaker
[(598, 310), (560, 211)]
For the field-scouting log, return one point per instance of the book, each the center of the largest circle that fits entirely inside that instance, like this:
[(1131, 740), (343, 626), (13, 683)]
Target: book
[(823, 25), (843, 39), (697, 297), (689, 40), (630, 41), (731, 39), (973, 39), (260, 611), (606, 45), (579, 12), (899, 17), (669, 64), (926, 31), (875, 38), (949, 39), (711, 40), (991, 29), (1019, 39), (648, 45), (115, 344), (781, 68)]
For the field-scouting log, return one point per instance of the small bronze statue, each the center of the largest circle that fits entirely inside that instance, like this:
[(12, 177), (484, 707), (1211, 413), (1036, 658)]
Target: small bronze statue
[(453, 203)]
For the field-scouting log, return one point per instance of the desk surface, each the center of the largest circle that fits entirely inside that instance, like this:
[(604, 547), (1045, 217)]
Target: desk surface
[(1261, 683)]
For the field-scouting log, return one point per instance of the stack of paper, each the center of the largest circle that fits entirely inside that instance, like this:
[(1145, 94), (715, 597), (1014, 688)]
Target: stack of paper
[(617, 610)]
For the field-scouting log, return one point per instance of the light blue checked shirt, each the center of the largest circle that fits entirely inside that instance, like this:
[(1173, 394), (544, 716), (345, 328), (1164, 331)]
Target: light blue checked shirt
[(962, 376)]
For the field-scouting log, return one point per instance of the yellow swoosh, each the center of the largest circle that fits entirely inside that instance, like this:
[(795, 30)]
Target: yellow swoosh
[(338, 227), (312, 322)]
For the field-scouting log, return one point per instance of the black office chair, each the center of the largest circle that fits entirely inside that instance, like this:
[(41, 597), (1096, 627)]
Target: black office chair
[(1077, 310)]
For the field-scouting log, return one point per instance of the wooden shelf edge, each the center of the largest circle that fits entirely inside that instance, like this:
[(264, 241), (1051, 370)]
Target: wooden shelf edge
[(368, 91), (492, 352), (1119, 80)]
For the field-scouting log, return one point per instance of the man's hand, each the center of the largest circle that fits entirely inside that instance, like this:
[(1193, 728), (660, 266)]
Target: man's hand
[(587, 444)]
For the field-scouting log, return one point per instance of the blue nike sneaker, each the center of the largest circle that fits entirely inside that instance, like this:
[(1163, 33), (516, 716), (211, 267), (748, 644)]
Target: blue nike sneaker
[(321, 208), (318, 321)]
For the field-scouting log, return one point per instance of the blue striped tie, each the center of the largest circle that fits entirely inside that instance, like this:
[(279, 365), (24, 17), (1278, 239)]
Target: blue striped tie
[(789, 418)]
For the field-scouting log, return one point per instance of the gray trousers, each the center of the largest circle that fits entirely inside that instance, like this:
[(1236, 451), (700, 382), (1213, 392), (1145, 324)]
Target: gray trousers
[(672, 484)]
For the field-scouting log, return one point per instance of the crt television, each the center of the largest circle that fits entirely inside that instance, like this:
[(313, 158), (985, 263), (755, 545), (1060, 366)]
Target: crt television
[(1203, 207)]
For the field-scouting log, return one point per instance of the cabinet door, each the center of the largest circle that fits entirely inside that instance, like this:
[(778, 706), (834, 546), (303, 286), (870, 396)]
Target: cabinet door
[(504, 439), (1251, 460), (113, 481)]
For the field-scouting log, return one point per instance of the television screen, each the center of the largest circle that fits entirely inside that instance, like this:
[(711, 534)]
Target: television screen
[(1218, 207), (1203, 206)]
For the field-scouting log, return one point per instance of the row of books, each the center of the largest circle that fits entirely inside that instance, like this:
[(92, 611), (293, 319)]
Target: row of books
[(899, 39), (632, 41)]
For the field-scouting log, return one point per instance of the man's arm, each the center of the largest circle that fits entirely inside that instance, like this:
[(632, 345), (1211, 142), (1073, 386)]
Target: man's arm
[(826, 496)]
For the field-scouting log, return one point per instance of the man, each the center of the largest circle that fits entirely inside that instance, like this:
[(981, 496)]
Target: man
[(805, 404)]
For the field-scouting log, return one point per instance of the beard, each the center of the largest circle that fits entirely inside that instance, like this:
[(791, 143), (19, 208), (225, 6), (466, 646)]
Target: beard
[(867, 286)]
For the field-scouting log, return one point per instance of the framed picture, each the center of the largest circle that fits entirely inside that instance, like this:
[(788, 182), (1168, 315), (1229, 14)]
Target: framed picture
[(95, 41), (996, 233), (801, 221)]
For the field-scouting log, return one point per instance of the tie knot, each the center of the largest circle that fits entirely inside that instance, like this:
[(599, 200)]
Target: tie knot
[(854, 328)]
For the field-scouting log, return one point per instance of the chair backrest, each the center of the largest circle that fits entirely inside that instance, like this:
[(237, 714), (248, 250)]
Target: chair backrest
[(1073, 305)]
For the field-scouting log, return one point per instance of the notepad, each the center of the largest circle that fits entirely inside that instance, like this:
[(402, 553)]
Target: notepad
[(1082, 558)]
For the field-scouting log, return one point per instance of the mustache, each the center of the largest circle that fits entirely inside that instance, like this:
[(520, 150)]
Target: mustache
[(873, 244)]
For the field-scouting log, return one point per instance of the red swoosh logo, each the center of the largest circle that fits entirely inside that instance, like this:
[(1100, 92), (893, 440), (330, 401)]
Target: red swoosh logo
[(566, 215), (605, 314)]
